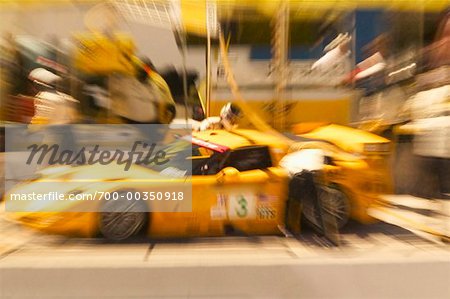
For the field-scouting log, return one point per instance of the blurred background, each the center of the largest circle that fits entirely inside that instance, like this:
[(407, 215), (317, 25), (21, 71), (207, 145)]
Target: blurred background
[(375, 66)]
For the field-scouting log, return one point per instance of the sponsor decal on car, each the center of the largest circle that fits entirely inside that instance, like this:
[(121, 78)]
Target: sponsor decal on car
[(219, 211), (263, 197), (209, 145), (266, 212)]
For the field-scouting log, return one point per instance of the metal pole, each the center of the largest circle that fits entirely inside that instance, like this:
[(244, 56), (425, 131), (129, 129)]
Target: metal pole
[(280, 61), (208, 71), (181, 40), (183, 49)]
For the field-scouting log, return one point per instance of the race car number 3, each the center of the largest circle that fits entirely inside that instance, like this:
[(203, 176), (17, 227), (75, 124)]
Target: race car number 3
[(241, 205)]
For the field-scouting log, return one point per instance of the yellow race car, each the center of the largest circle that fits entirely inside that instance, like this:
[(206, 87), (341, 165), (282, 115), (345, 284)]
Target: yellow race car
[(241, 180)]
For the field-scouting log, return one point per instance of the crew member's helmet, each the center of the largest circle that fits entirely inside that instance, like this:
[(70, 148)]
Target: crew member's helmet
[(230, 115)]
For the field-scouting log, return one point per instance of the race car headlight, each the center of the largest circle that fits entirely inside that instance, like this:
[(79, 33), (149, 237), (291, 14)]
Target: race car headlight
[(376, 147)]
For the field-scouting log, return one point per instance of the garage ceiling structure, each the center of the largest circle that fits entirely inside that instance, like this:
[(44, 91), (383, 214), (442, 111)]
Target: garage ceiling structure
[(193, 13)]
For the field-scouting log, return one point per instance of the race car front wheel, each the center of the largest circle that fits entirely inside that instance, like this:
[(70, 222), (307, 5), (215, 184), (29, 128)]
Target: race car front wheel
[(122, 219)]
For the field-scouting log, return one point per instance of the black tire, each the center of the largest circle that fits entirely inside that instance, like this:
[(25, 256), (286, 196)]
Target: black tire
[(122, 219), (333, 203)]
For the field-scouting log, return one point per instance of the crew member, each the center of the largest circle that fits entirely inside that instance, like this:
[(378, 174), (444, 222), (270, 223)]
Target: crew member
[(228, 119)]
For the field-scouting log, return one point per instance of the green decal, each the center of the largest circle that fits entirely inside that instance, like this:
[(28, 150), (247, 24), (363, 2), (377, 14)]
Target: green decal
[(242, 210)]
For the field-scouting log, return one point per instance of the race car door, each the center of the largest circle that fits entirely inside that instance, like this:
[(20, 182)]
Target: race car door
[(251, 192), (238, 189)]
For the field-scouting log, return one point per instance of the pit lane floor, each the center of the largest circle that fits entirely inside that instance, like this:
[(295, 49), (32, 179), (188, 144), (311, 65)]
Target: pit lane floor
[(377, 261)]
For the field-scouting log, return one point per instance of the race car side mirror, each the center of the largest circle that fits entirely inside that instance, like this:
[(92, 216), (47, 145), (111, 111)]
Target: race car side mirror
[(228, 174)]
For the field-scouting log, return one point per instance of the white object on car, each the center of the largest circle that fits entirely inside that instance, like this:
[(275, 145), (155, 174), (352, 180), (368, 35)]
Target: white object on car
[(181, 123), (210, 123), (307, 159)]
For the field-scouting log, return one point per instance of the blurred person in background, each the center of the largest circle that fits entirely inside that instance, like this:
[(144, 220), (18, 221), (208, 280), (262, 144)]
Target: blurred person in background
[(438, 53), (11, 82), (174, 79), (51, 105), (137, 100)]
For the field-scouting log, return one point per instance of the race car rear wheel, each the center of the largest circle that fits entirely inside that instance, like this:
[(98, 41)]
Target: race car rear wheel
[(334, 203), (122, 219)]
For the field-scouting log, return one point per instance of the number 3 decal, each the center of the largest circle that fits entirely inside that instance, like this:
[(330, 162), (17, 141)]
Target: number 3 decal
[(241, 205), (241, 210)]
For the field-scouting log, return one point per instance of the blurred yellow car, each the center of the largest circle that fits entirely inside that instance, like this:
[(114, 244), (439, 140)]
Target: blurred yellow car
[(242, 180)]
